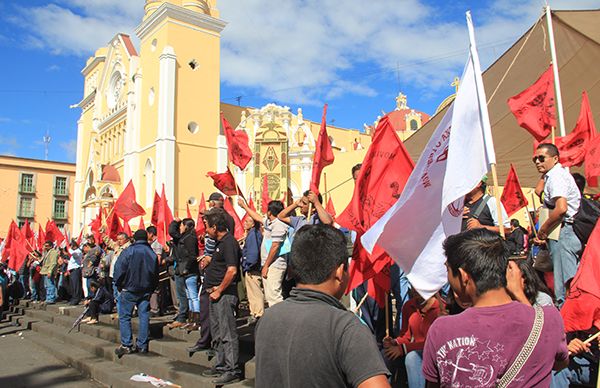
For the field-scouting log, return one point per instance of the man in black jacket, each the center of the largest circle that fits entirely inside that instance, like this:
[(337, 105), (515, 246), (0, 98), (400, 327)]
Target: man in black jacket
[(136, 277)]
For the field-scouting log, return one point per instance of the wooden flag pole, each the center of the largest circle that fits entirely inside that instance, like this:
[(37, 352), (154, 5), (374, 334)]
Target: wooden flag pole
[(362, 301), (498, 203), (335, 187), (387, 315), (587, 341), (531, 223), (553, 135)]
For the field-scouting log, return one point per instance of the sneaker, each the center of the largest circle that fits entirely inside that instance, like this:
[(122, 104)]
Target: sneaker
[(212, 373), (122, 350), (226, 378), (92, 322)]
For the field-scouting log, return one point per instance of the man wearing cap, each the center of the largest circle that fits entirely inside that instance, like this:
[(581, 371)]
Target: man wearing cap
[(136, 277), (481, 210)]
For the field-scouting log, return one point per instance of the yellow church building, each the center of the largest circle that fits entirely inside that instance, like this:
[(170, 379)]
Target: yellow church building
[(152, 115)]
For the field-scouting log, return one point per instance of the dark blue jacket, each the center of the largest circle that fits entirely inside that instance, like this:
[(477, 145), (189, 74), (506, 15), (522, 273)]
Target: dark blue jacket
[(251, 251), (137, 269)]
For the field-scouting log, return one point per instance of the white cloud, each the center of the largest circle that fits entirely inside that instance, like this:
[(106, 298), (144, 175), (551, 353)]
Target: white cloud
[(305, 51), (70, 147), (53, 68)]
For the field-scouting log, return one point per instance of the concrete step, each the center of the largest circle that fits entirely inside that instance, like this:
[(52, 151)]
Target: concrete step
[(184, 374)]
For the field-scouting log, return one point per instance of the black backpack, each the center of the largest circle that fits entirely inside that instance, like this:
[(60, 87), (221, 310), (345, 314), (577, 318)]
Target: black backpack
[(585, 219)]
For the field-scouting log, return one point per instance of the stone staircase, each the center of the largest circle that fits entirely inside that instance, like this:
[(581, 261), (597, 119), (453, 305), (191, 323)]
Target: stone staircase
[(90, 349)]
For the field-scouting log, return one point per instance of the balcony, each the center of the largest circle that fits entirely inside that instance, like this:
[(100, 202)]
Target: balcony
[(61, 191), (59, 215), (25, 213), (26, 189)]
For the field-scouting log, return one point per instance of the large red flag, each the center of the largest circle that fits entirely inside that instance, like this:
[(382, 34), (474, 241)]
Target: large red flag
[(572, 146), (188, 212), (238, 150), (323, 154), (225, 183), (534, 106), (512, 197), (264, 196), (80, 237), (239, 229), (592, 162), (95, 226), (582, 305), (27, 232), (18, 250), (53, 233), (114, 226), (141, 225), (9, 238), (127, 228), (200, 228), (41, 238), (330, 208), (385, 170), (125, 206), (155, 209), (165, 217)]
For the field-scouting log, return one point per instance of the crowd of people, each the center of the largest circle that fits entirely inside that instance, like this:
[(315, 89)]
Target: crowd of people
[(496, 322)]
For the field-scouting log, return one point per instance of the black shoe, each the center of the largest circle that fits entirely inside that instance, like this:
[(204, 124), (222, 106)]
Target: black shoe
[(197, 348), (226, 378), (123, 350), (212, 373)]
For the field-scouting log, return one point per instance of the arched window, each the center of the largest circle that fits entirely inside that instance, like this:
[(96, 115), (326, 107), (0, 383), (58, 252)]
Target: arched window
[(149, 180), (414, 125)]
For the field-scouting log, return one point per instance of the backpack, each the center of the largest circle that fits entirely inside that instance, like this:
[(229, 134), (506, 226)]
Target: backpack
[(585, 219)]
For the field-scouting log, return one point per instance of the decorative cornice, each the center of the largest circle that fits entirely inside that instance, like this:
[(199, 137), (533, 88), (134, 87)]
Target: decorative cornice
[(87, 101), (112, 118), (167, 10), (97, 60)]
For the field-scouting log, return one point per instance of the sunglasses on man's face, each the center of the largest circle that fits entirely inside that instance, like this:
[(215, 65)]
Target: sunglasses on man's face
[(541, 158)]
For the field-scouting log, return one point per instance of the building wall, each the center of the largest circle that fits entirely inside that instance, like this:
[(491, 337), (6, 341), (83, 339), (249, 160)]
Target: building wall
[(43, 193)]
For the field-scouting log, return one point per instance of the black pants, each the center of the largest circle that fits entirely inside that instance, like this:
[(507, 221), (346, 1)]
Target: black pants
[(205, 337), (224, 333), (76, 286), (96, 308)]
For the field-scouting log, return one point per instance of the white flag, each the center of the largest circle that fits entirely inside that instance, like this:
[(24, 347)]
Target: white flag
[(431, 206)]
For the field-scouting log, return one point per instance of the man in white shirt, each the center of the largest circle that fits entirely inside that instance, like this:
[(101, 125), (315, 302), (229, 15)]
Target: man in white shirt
[(74, 271), (562, 197)]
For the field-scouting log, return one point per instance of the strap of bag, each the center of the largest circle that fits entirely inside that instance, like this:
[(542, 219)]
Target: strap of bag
[(526, 351), (481, 206)]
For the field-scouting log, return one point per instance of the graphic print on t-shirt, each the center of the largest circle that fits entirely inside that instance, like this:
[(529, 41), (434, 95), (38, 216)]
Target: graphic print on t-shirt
[(469, 362)]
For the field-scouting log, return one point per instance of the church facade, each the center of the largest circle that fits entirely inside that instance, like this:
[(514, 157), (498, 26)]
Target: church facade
[(152, 115)]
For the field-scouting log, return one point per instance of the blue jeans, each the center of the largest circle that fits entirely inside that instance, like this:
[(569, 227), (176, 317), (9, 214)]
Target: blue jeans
[(127, 301), (191, 291), (578, 372), (33, 287), (50, 289), (413, 362), (182, 301), (564, 254), (116, 295)]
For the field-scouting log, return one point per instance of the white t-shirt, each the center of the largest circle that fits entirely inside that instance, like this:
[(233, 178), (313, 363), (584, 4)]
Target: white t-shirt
[(560, 183)]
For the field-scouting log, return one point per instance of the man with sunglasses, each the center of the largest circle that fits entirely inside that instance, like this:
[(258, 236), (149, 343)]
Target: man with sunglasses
[(562, 197)]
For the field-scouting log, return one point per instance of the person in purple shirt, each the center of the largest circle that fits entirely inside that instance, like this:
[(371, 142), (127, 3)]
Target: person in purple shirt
[(477, 347)]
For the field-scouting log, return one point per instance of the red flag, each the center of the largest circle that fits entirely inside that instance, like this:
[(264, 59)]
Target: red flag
[(80, 237), (379, 285), (26, 230), (141, 226), (582, 305), (323, 154), (385, 170), (238, 150), (592, 162), (329, 207), (53, 233), (372, 268), (114, 226), (125, 206), (265, 199), (225, 183), (187, 208), (95, 226), (18, 250), (165, 217), (572, 146), (251, 206), (512, 197), (9, 238), (127, 228), (155, 209), (534, 106), (41, 238), (239, 229), (200, 228)]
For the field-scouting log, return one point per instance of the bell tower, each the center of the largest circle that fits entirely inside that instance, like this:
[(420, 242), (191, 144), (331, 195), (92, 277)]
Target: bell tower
[(178, 93)]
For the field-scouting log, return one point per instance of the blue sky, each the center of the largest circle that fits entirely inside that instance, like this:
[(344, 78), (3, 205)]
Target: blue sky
[(354, 55)]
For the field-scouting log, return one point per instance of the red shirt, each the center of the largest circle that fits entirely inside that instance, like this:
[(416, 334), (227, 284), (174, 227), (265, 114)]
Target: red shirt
[(416, 323)]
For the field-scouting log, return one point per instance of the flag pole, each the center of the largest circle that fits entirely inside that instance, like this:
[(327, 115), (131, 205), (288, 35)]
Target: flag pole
[(387, 314), (335, 187), (558, 96), (485, 120)]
